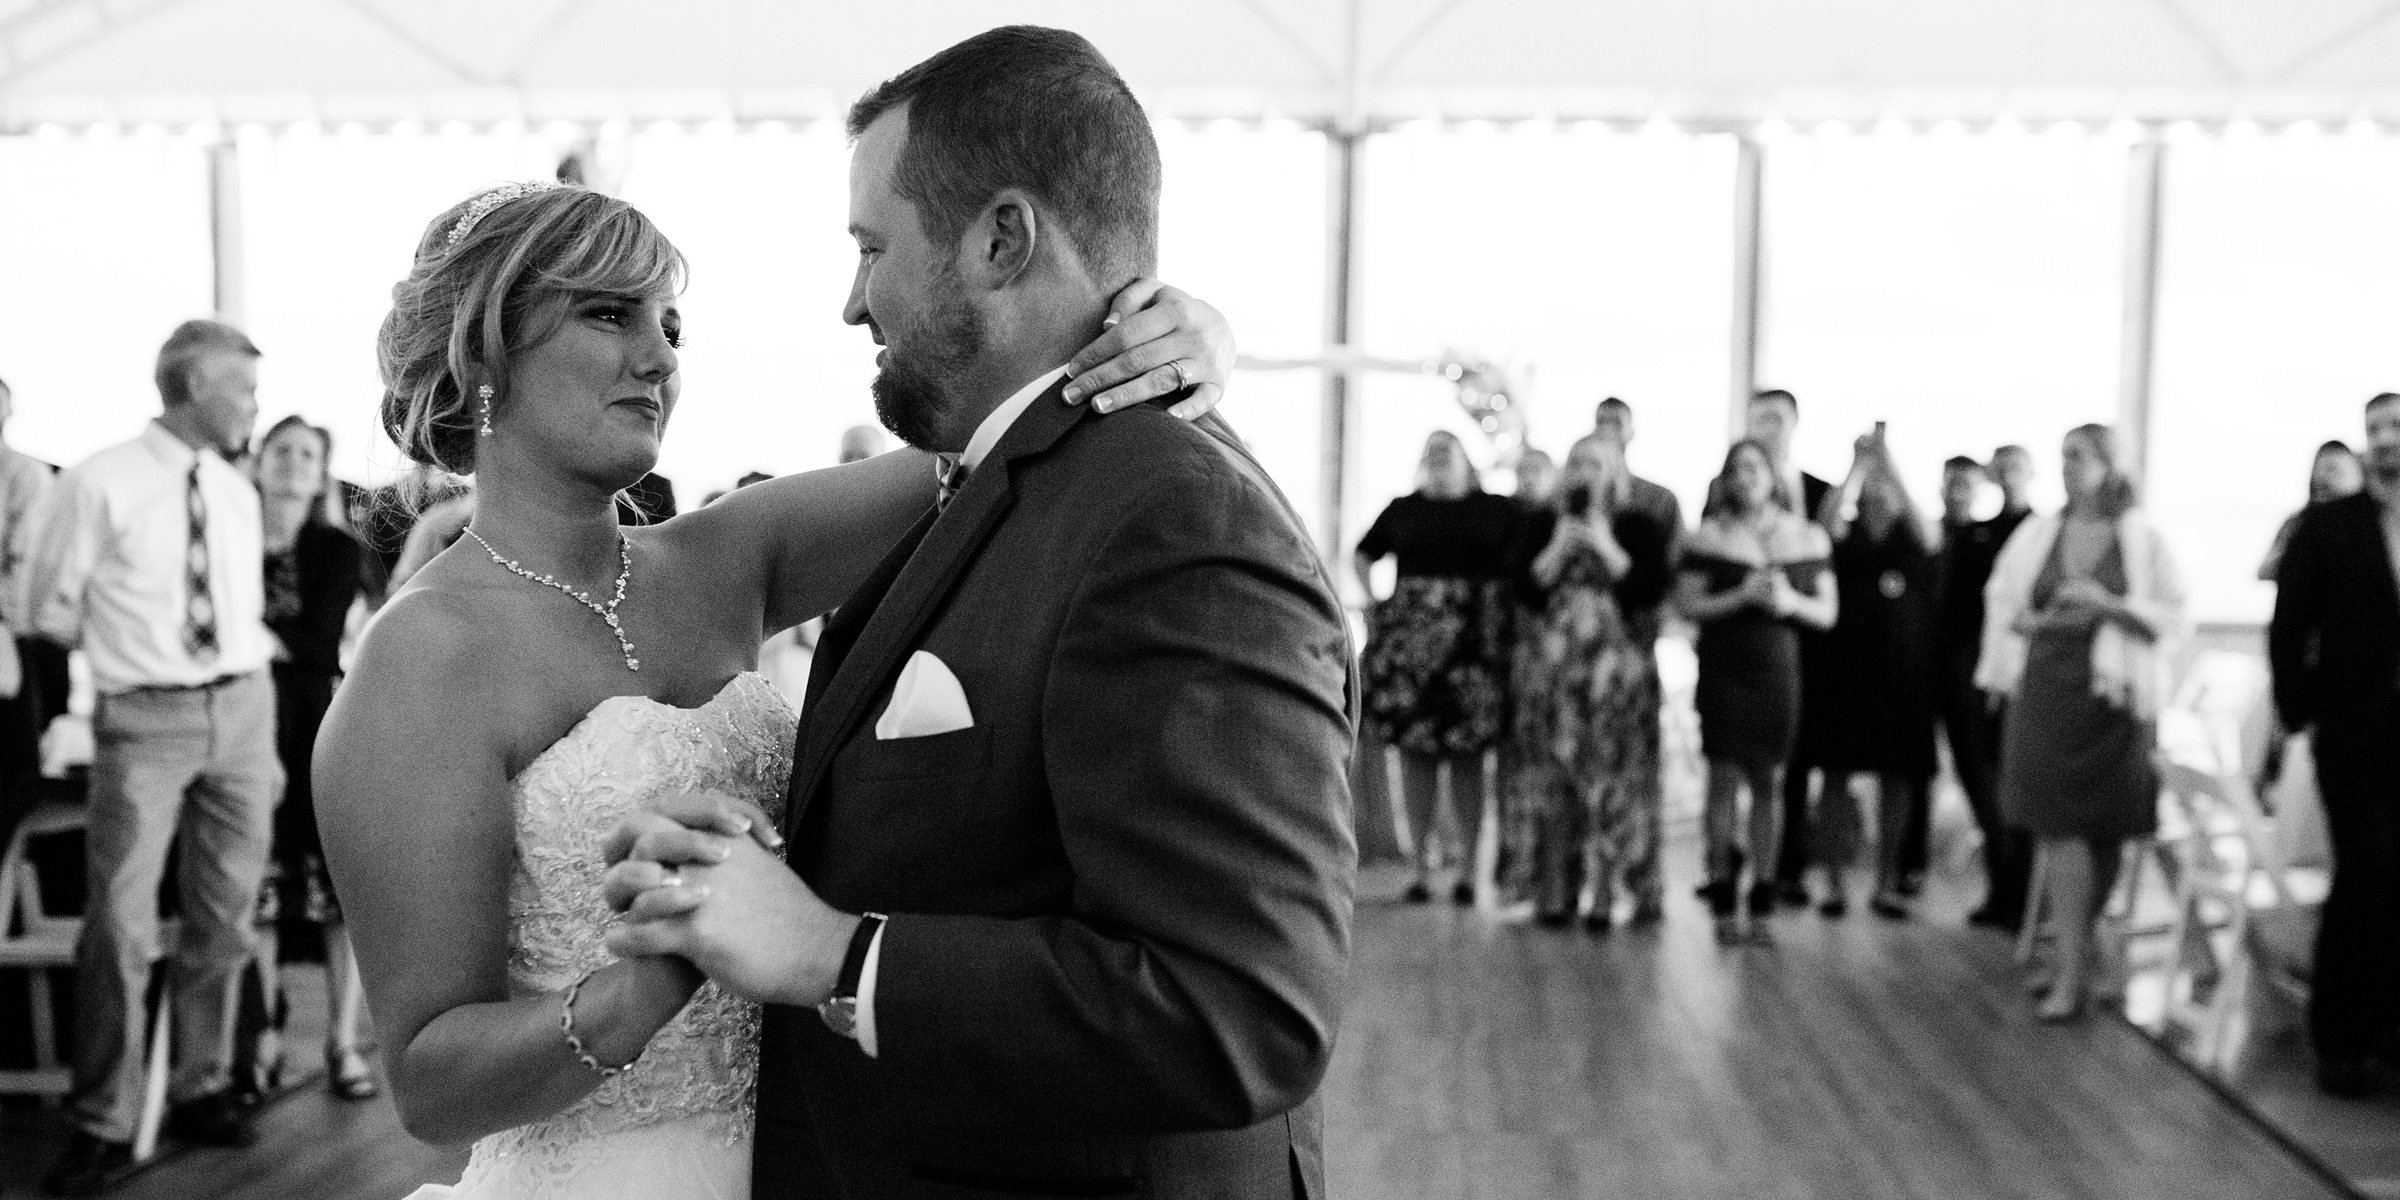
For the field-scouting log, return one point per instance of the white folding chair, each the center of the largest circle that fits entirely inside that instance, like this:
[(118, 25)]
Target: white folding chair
[(2235, 887), (37, 941)]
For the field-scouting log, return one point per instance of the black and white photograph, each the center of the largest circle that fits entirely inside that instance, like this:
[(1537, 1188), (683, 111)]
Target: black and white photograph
[(1235, 600)]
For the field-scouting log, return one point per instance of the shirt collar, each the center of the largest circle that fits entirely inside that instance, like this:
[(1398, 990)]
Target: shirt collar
[(171, 450), (988, 434)]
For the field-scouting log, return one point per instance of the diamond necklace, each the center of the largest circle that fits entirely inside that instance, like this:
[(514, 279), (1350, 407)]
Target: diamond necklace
[(606, 612)]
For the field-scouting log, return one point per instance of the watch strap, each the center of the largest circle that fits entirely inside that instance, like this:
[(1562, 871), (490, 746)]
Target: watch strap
[(854, 963)]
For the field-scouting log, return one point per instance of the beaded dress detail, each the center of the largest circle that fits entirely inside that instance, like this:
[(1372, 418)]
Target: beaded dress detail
[(677, 1123)]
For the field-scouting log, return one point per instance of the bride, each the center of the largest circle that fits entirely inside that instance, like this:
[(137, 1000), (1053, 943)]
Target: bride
[(549, 672)]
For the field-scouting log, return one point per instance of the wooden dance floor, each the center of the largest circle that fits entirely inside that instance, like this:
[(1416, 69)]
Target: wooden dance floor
[(1491, 1060)]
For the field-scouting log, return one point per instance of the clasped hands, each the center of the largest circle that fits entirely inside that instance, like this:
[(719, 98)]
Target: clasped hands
[(698, 876), (2078, 604)]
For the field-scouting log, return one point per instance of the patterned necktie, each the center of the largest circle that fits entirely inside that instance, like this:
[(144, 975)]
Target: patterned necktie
[(200, 608), (951, 474)]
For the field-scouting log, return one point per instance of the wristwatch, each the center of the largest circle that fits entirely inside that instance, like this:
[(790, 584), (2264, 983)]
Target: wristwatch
[(839, 1011)]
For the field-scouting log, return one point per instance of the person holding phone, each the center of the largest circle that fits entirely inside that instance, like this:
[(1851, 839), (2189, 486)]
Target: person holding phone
[(1881, 678), (1586, 693)]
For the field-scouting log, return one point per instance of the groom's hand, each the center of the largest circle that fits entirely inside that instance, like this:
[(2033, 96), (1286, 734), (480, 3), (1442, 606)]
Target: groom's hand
[(719, 899)]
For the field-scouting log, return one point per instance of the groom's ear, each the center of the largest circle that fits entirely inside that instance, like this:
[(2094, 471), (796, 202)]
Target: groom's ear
[(1002, 239)]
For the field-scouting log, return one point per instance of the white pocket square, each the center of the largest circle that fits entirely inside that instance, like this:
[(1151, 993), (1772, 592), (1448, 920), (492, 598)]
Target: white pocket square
[(926, 701)]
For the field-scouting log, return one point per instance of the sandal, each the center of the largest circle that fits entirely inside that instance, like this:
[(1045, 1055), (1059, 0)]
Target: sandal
[(347, 1074)]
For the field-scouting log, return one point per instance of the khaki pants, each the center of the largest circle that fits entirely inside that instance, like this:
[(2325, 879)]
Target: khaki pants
[(194, 767)]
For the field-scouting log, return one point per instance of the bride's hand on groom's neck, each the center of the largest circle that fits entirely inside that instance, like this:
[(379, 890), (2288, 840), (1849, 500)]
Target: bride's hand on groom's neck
[(1160, 340)]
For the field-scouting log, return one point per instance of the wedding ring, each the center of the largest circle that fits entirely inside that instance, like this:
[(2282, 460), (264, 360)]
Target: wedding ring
[(673, 877), (1183, 379)]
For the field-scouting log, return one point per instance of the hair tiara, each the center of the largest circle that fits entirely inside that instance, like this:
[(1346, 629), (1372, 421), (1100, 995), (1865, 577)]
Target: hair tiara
[(485, 203)]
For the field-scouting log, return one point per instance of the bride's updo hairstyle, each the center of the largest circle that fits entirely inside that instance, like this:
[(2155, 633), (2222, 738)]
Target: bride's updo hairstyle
[(491, 275)]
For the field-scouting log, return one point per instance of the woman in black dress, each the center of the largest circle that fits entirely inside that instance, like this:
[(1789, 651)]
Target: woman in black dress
[(1436, 662), (2084, 607), (2335, 472), (1752, 573), (1881, 676), (313, 574)]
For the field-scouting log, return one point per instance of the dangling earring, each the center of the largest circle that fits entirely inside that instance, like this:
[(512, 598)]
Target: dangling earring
[(483, 392)]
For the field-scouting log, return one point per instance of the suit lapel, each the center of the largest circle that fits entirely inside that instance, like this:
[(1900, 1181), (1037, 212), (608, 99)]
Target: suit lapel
[(843, 626), (890, 628)]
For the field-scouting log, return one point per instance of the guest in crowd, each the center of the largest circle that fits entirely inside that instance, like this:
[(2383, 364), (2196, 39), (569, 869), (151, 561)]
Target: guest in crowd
[(1751, 576), (1642, 597), (649, 501), (436, 527), (2332, 475), (32, 673), (1772, 418), (1437, 649), (2012, 469), (861, 442), (2334, 645), (148, 557), (1537, 481), (1515, 867), (1880, 677), (1586, 696), (313, 576), (1969, 548), (2082, 613)]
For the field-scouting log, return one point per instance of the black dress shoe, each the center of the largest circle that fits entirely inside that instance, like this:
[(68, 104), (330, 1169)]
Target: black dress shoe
[(1763, 897), (1554, 920), (1417, 893), (1792, 892), (209, 1121), (1599, 920), (1835, 905), (1463, 893), (86, 1165), (2350, 1076)]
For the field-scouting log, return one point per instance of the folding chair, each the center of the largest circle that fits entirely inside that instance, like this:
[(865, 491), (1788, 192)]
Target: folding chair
[(2235, 886)]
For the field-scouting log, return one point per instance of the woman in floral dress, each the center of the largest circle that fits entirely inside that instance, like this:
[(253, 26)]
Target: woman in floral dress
[(1437, 648), (1586, 698)]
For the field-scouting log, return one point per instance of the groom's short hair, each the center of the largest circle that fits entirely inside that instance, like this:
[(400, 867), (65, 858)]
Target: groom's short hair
[(1033, 108)]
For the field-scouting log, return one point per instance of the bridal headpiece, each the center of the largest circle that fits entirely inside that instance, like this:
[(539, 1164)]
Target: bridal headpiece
[(485, 203)]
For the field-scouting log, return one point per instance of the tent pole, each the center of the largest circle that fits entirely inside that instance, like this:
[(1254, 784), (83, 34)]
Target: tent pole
[(225, 232), (1339, 439), (1339, 436), (1748, 192), (2145, 178)]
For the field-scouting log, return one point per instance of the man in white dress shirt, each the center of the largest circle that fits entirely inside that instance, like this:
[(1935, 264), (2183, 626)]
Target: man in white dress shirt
[(147, 556), (24, 480)]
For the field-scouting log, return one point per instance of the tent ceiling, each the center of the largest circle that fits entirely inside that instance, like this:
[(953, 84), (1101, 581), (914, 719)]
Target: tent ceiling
[(1704, 60)]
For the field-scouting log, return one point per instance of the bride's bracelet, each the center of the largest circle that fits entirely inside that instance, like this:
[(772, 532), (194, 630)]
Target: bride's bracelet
[(566, 1025)]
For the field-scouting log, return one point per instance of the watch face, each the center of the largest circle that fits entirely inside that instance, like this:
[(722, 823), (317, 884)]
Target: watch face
[(840, 1014)]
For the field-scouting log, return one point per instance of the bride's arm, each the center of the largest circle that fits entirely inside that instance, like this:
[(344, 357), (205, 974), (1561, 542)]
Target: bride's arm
[(412, 796), (808, 540)]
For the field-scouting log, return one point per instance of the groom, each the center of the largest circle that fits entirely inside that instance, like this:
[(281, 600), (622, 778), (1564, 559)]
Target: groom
[(1069, 897)]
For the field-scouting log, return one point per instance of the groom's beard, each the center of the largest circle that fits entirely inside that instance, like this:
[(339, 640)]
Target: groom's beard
[(916, 393)]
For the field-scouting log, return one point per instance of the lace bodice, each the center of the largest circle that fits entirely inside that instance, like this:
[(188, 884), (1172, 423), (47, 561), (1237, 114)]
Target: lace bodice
[(703, 1065)]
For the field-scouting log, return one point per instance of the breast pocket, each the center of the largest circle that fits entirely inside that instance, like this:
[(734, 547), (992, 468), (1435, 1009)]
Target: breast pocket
[(959, 752)]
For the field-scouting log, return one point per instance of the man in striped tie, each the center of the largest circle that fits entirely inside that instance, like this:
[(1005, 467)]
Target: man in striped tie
[(147, 557)]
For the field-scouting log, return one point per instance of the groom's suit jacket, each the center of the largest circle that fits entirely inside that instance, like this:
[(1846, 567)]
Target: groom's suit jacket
[(1120, 902)]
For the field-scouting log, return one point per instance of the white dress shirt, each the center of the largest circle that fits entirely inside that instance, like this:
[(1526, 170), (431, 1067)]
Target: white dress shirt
[(24, 481), (987, 435), (104, 569)]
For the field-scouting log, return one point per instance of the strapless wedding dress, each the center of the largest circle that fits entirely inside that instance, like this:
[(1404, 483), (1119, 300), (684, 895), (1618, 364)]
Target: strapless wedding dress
[(676, 1125)]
